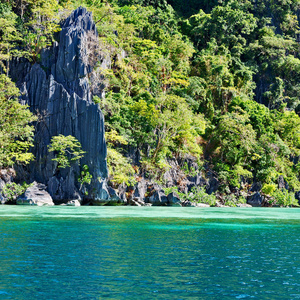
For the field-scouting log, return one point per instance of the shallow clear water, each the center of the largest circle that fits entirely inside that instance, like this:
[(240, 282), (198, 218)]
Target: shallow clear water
[(149, 253)]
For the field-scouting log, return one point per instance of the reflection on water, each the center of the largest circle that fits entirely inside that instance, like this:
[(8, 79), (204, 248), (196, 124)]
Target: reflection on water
[(147, 253)]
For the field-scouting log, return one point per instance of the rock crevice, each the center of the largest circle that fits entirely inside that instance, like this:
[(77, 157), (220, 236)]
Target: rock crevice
[(58, 90)]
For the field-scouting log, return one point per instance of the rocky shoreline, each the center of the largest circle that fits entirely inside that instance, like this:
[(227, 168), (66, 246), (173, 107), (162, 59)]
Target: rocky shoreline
[(144, 193), (60, 89)]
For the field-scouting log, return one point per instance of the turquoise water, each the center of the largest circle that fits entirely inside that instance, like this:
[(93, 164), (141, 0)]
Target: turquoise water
[(149, 253)]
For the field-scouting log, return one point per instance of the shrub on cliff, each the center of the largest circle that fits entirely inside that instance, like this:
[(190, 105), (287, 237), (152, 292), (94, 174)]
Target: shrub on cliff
[(16, 133)]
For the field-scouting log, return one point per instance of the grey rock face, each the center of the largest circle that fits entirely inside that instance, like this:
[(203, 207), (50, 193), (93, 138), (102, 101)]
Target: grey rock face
[(297, 196), (255, 200), (196, 180), (135, 203), (158, 199), (156, 195), (114, 199), (173, 199), (122, 193), (140, 190), (173, 174), (212, 185), (113, 195), (6, 177), (256, 187), (187, 203), (58, 90), (3, 200), (282, 183), (36, 195), (73, 203), (103, 197)]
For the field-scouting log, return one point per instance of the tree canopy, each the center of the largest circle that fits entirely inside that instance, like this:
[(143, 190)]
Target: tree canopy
[(16, 134), (216, 81)]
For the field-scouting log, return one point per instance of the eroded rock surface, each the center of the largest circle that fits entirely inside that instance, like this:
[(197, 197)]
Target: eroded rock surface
[(36, 195), (58, 89), (174, 199), (255, 200)]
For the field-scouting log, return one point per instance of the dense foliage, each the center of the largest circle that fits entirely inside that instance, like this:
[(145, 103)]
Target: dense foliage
[(212, 81), (15, 134)]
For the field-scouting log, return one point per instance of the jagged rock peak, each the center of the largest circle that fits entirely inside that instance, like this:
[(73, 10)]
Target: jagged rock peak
[(80, 18), (76, 53), (58, 89)]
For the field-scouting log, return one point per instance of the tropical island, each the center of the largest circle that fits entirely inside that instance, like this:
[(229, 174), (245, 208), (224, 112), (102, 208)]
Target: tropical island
[(150, 102)]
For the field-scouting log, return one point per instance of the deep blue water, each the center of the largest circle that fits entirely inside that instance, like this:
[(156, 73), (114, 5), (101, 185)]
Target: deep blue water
[(149, 253)]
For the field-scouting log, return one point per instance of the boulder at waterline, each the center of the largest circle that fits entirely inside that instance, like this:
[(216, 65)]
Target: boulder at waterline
[(73, 203), (173, 199), (36, 194), (158, 198)]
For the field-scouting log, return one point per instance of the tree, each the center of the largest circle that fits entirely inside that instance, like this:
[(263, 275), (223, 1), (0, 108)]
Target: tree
[(119, 167), (236, 138), (16, 133), (177, 128), (40, 25), (10, 37), (228, 26), (67, 150)]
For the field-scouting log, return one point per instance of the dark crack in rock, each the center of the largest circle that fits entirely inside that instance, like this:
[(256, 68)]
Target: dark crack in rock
[(58, 90)]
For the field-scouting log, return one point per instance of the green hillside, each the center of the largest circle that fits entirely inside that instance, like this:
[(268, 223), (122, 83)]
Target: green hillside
[(212, 85)]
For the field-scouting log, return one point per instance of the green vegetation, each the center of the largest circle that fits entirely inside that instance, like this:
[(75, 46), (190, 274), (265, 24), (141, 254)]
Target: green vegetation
[(199, 195), (215, 81), (13, 190), (67, 150), (284, 198), (84, 178), (16, 134)]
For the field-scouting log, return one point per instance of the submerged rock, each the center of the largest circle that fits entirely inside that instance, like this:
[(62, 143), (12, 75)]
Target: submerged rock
[(73, 203), (36, 195), (187, 203), (243, 205)]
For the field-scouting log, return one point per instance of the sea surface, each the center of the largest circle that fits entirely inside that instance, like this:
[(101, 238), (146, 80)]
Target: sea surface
[(149, 253)]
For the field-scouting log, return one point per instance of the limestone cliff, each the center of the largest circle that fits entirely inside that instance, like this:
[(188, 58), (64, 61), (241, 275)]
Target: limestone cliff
[(58, 90)]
